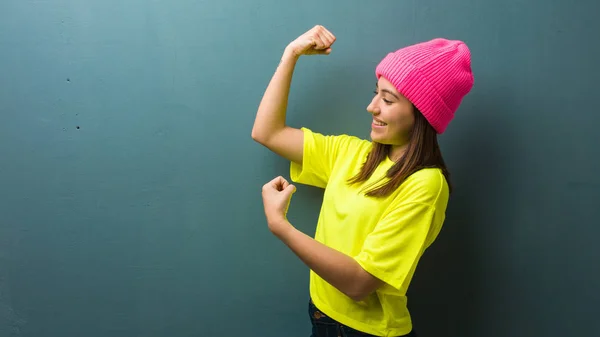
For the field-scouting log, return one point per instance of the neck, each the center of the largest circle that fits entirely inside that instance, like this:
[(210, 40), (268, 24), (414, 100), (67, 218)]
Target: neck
[(397, 151)]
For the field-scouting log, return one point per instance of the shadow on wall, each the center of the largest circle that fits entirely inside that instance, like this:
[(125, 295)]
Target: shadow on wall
[(447, 295)]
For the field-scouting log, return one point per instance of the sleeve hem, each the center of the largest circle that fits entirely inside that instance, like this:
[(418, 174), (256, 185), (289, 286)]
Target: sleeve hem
[(363, 261), (304, 173), (297, 171)]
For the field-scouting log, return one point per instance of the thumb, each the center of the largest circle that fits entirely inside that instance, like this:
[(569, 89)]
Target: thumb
[(289, 190)]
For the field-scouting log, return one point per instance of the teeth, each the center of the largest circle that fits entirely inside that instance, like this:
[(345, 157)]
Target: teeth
[(379, 123)]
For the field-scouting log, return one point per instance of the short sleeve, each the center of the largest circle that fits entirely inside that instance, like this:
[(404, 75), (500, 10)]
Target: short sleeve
[(320, 153), (391, 252)]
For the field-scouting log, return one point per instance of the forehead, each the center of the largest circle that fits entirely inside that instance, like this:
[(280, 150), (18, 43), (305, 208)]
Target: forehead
[(385, 85)]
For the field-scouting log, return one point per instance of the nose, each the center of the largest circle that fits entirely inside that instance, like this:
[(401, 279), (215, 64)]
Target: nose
[(373, 107)]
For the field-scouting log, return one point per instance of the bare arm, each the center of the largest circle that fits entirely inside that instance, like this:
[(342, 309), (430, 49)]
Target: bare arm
[(270, 127), (335, 267), (338, 269)]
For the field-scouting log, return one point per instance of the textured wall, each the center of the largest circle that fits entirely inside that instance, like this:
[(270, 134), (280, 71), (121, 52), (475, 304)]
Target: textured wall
[(130, 187)]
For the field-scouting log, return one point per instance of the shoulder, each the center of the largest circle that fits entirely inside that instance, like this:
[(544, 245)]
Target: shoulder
[(427, 185), (339, 142)]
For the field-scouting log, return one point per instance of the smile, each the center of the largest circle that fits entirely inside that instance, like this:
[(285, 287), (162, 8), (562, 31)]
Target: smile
[(378, 123)]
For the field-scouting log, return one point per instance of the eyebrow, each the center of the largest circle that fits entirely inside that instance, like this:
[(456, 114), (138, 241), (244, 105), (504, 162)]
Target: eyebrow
[(387, 91)]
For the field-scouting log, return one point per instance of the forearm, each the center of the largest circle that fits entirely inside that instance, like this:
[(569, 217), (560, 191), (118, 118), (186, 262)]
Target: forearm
[(271, 114), (337, 268)]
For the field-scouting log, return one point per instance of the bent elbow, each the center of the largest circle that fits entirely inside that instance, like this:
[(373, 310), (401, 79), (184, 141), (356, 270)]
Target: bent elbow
[(358, 295), (256, 136), (361, 290), (261, 135), (357, 298)]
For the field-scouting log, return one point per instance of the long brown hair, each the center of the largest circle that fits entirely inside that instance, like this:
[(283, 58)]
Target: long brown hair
[(421, 152)]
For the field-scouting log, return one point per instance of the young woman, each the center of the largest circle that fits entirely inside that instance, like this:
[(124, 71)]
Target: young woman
[(385, 199)]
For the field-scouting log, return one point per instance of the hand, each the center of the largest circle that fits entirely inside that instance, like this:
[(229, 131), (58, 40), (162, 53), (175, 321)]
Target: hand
[(318, 41), (277, 195)]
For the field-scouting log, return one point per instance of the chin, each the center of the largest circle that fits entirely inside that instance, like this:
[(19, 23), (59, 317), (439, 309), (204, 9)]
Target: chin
[(377, 138)]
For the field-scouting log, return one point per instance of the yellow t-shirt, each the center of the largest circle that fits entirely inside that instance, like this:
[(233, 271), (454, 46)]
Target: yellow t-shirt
[(386, 236)]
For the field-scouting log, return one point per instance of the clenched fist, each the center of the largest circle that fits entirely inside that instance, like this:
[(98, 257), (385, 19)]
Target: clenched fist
[(277, 195), (316, 41)]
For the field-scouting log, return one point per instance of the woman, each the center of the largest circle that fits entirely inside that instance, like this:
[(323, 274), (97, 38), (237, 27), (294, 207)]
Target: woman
[(385, 199)]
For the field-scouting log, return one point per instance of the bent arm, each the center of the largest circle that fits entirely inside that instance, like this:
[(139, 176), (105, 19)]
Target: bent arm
[(270, 127), (337, 268)]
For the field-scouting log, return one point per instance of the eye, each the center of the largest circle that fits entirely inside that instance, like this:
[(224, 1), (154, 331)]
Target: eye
[(388, 102)]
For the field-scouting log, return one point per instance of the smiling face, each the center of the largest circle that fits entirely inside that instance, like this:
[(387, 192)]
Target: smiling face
[(393, 115)]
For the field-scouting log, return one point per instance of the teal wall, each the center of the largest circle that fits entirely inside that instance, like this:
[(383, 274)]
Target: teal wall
[(130, 186)]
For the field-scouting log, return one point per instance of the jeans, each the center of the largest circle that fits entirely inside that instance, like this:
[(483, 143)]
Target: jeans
[(324, 326)]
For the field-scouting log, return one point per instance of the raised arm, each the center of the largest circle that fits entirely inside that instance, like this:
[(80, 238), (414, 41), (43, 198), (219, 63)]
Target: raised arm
[(270, 127)]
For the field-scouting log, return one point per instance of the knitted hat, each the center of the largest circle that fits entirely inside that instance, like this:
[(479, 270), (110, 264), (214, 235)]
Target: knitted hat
[(434, 75)]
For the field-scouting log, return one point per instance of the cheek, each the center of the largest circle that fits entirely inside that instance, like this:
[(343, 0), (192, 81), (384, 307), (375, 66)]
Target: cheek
[(404, 121), (409, 121), (402, 124)]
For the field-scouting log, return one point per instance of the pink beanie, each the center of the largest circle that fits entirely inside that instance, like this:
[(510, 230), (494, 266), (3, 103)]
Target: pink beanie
[(434, 75)]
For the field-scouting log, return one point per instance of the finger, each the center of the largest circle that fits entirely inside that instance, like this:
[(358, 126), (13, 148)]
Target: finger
[(277, 179), (279, 183), (274, 184), (268, 186), (291, 187), (328, 36), (318, 28), (323, 51), (289, 190), (284, 183), (328, 40), (271, 184), (331, 39), (321, 44), (324, 33), (318, 37)]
